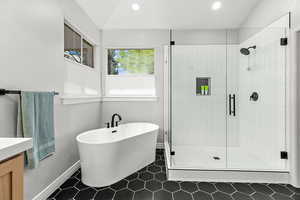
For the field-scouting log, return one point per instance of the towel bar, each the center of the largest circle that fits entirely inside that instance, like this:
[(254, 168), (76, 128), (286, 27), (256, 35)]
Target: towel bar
[(4, 92)]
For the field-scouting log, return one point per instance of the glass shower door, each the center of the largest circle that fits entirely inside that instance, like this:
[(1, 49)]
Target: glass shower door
[(256, 135), (198, 106)]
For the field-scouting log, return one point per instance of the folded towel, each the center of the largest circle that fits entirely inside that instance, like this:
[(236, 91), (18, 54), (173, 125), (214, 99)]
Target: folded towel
[(36, 120)]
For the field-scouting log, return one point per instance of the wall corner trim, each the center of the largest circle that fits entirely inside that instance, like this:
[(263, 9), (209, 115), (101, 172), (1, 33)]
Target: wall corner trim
[(44, 194)]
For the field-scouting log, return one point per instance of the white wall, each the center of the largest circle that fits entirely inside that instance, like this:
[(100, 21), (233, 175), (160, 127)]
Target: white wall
[(295, 63), (296, 15), (204, 37), (265, 13), (32, 59), (82, 80)]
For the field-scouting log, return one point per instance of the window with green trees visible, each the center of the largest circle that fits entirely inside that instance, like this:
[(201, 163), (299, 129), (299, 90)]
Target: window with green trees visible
[(130, 61)]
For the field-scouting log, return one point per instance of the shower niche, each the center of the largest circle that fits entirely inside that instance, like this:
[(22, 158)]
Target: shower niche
[(203, 86)]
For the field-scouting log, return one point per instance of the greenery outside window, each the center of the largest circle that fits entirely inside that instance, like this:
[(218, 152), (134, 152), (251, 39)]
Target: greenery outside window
[(76, 48), (130, 73), (130, 61)]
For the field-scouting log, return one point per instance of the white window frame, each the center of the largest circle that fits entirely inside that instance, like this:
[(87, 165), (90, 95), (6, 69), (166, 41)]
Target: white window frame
[(104, 73), (82, 37)]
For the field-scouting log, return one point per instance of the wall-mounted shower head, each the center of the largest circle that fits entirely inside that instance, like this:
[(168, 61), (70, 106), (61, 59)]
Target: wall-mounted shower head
[(246, 51)]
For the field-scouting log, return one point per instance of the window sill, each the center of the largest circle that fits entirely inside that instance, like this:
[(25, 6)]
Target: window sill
[(86, 67), (67, 100), (129, 98)]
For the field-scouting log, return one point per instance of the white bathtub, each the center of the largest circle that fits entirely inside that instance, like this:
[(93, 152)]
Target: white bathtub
[(108, 157)]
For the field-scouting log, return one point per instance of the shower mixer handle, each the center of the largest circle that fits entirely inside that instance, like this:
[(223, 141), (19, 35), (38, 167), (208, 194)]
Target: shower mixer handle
[(254, 96)]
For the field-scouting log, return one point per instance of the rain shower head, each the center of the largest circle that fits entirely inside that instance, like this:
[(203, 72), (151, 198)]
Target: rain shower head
[(246, 51)]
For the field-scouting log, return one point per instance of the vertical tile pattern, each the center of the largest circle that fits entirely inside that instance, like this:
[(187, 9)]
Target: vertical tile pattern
[(150, 183)]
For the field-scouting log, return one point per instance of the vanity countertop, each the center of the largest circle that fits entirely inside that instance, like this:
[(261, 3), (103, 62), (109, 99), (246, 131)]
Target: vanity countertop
[(12, 146)]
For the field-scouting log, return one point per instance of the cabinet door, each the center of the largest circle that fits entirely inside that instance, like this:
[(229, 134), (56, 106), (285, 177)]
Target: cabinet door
[(11, 178)]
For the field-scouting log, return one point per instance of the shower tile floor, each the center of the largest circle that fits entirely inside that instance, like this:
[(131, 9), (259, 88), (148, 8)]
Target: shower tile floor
[(150, 183)]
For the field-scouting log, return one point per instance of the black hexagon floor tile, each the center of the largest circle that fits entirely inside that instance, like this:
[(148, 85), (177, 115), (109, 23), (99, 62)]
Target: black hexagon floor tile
[(188, 186), (161, 176), (106, 194), (85, 194), (261, 196), (163, 195), (124, 194), (292, 188), (207, 187), (296, 196), (225, 187), (143, 195), (279, 196), (150, 183), (261, 188), (200, 195), (280, 189), (71, 182), (182, 195), (54, 193), (243, 188), (132, 176), (145, 176), (67, 194), (136, 185), (154, 169), (171, 186), (221, 196), (120, 185), (241, 196), (81, 186), (153, 185)]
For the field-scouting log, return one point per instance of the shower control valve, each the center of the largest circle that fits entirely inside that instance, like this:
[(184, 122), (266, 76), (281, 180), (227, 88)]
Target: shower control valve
[(254, 96)]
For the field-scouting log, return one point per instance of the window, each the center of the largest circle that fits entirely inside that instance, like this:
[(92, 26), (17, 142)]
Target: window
[(130, 72), (87, 54), (130, 61), (72, 44), (76, 48)]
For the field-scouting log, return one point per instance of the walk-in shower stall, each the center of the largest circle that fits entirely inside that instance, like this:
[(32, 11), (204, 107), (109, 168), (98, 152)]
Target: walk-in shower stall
[(226, 104)]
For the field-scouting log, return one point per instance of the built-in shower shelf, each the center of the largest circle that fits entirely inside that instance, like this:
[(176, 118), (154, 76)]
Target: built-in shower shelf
[(203, 86)]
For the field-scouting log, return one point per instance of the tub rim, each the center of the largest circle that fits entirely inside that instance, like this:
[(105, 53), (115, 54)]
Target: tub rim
[(156, 128)]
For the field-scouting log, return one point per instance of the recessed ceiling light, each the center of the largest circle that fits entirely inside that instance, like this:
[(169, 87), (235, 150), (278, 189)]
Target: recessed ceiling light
[(135, 6), (216, 5)]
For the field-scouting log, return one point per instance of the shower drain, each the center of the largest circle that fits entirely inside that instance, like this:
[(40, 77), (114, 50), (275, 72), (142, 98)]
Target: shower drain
[(216, 158)]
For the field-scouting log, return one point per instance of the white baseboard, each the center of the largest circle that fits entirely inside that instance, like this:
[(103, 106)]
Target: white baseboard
[(44, 194), (160, 145)]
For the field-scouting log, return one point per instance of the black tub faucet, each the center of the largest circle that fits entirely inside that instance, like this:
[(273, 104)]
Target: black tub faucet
[(113, 122)]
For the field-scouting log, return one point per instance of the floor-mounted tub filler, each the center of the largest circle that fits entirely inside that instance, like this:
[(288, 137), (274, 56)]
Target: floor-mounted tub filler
[(114, 153)]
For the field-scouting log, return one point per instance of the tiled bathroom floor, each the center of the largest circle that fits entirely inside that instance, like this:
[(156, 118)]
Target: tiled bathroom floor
[(150, 184)]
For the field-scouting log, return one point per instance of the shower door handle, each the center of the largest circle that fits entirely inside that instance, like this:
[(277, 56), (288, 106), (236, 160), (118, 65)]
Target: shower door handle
[(230, 112), (232, 104), (233, 98)]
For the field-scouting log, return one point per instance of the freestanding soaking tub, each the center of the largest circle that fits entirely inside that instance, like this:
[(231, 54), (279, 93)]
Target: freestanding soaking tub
[(108, 155)]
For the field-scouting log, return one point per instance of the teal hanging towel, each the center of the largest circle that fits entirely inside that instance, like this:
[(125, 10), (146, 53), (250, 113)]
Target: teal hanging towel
[(36, 121)]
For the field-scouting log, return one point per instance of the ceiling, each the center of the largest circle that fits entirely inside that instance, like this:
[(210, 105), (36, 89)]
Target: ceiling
[(165, 14)]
